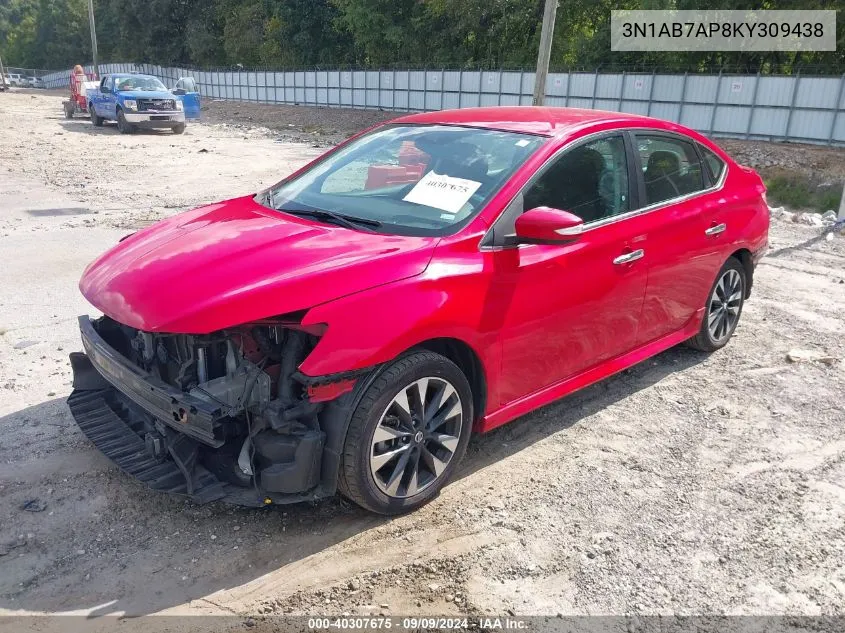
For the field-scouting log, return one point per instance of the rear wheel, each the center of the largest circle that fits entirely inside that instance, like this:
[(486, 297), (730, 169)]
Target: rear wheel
[(724, 306), (68, 110), (407, 434), (97, 121), (123, 126)]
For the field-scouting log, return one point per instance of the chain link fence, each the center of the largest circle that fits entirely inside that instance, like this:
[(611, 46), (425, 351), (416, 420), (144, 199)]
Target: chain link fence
[(798, 108)]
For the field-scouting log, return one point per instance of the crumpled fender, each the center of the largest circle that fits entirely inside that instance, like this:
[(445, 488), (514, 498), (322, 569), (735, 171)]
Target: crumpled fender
[(375, 326)]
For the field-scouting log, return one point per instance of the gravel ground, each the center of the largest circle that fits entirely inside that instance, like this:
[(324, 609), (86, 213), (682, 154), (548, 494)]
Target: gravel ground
[(690, 484)]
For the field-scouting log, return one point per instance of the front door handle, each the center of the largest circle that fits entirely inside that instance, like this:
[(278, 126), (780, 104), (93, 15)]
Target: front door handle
[(715, 230), (627, 258)]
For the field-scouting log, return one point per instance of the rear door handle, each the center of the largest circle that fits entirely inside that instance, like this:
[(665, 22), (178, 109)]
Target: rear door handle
[(627, 258), (715, 230)]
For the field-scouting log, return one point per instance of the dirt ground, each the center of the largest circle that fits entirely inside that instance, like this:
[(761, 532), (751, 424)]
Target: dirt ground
[(690, 484)]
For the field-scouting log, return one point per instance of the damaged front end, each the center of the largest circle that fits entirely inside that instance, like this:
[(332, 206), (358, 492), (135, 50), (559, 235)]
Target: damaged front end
[(218, 416)]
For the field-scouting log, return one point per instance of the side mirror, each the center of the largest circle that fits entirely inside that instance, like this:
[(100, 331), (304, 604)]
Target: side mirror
[(105, 89), (544, 225), (178, 91)]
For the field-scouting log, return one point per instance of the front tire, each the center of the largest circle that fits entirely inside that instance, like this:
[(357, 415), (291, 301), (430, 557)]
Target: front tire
[(123, 126), (723, 309), (179, 129), (407, 434)]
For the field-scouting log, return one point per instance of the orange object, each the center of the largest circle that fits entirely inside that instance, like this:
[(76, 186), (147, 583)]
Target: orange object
[(385, 175)]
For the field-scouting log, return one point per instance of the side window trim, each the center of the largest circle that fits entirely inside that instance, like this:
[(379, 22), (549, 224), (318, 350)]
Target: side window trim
[(636, 183), (491, 240), (637, 194)]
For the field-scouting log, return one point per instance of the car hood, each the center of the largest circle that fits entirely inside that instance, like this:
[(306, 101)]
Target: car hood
[(146, 94), (236, 261)]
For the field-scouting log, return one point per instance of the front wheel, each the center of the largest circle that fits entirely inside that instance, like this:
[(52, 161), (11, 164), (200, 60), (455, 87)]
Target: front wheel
[(407, 434), (123, 126), (178, 129), (724, 306)]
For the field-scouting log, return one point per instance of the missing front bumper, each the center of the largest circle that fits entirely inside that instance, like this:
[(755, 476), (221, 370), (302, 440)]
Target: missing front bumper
[(196, 418), (110, 425), (178, 444)]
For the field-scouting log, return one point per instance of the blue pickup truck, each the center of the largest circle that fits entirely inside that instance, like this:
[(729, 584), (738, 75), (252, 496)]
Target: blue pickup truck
[(142, 101)]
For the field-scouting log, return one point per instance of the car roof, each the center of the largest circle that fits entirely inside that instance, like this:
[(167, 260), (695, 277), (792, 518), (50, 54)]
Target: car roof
[(131, 75), (546, 121)]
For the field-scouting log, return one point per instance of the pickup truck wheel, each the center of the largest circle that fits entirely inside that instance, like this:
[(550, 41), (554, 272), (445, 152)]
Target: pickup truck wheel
[(123, 126), (407, 434), (179, 129), (68, 110), (97, 121)]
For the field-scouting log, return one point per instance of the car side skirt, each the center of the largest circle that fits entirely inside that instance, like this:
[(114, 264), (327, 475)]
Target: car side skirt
[(558, 390)]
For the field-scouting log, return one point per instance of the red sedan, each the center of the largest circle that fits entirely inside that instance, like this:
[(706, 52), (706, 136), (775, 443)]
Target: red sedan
[(432, 277)]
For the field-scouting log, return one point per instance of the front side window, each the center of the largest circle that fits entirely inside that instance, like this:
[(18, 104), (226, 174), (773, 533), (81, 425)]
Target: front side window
[(187, 84), (590, 181), (409, 180), (671, 168)]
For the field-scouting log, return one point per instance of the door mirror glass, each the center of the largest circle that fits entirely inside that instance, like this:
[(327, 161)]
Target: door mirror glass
[(545, 225)]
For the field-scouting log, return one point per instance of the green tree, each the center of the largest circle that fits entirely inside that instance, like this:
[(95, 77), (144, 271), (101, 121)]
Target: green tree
[(368, 33)]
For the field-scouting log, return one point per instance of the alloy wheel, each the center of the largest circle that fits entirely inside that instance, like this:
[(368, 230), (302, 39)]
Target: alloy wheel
[(416, 437), (725, 303)]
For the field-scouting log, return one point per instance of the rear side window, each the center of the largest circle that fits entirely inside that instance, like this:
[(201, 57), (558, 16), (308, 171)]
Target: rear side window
[(714, 164), (671, 168)]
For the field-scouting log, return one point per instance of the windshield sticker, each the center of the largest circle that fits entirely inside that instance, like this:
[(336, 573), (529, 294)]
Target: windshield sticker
[(522, 143), (442, 192)]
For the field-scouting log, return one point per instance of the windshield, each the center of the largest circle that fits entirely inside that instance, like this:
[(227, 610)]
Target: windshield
[(408, 180), (139, 82)]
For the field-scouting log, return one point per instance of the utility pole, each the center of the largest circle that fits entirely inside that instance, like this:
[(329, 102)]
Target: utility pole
[(545, 52), (2, 75), (93, 37)]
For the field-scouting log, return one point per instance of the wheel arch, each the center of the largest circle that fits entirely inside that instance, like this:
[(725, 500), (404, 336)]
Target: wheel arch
[(336, 416), (465, 357), (744, 257)]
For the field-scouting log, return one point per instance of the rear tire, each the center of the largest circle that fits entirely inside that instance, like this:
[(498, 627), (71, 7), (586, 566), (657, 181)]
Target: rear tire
[(123, 126), (97, 121), (179, 129), (68, 110), (723, 308), (407, 434)]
